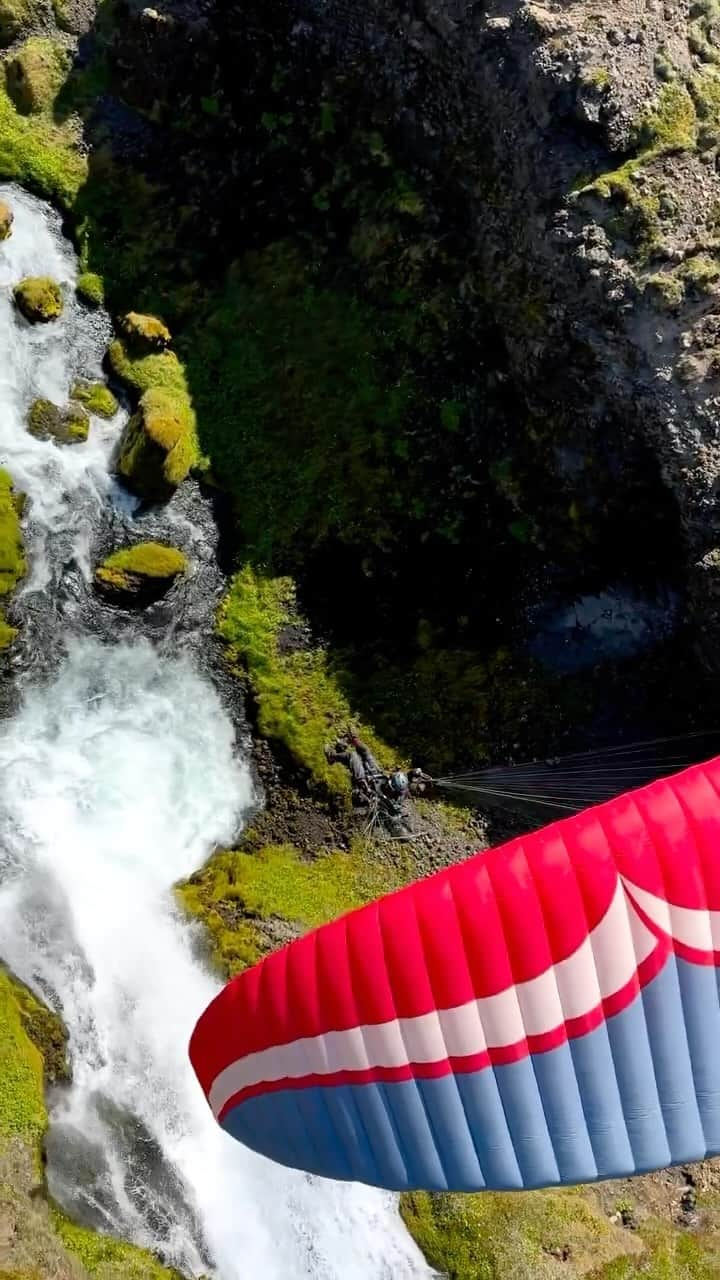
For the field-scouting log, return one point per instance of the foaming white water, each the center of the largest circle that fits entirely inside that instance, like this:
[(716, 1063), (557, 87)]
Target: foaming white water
[(64, 485), (117, 778)]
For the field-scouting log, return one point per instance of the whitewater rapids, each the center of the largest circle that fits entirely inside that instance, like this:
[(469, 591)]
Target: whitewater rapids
[(118, 775)]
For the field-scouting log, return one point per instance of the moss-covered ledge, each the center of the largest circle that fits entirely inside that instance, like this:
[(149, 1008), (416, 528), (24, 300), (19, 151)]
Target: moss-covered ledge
[(299, 701)]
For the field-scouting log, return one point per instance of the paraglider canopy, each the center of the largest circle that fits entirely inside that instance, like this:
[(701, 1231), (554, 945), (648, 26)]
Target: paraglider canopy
[(543, 1013)]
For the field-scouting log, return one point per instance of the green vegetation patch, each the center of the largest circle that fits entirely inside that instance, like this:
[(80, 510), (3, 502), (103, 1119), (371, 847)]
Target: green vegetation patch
[(15, 16), (22, 1105), (96, 398), (235, 890), (40, 154), (301, 404), (35, 73), (300, 702), (670, 1254), (107, 1258), (12, 560), (700, 272), (671, 124), (539, 1235), (90, 289)]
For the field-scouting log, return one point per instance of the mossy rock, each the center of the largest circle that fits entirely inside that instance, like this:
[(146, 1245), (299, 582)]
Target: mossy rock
[(90, 289), (12, 560), (96, 398), (155, 453), (67, 426), (15, 17), (35, 74), (39, 299), (8, 634), (145, 333), (140, 574), (6, 221)]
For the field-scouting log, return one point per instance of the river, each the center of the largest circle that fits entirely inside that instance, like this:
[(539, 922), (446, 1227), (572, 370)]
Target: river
[(121, 767)]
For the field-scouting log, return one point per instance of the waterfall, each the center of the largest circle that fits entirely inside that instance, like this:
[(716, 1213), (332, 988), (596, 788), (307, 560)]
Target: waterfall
[(120, 770)]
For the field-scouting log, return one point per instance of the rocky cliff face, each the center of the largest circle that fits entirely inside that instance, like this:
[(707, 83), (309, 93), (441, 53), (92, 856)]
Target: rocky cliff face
[(581, 143), (574, 148)]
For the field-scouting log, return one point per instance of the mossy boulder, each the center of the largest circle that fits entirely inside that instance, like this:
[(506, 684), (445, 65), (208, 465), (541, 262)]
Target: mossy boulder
[(140, 574), (145, 333), (155, 452), (67, 426), (96, 398), (15, 17), (12, 560), (90, 289), (35, 74), (6, 221), (39, 299)]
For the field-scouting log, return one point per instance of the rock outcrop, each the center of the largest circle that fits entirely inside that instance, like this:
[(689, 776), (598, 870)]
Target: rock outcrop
[(39, 299), (577, 154), (140, 574), (96, 398), (144, 333), (69, 425), (35, 74), (152, 458)]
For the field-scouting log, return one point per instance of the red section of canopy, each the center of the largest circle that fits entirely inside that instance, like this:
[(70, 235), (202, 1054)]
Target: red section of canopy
[(503, 917)]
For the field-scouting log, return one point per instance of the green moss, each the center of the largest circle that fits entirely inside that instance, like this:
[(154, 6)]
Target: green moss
[(41, 154), (235, 890), (22, 1106), (70, 425), (12, 560), (8, 634), (39, 299), (702, 31), (35, 73), (700, 272), (134, 568), (15, 16), (96, 397), (305, 389), (526, 1236), (634, 214), (107, 1258), (666, 289), (144, 333), (300, 702), (157, 449), (596, 78), (151, 559), (671, 1254), (90, 289), (165, 417), (671, 125)]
